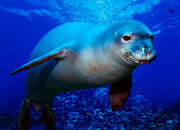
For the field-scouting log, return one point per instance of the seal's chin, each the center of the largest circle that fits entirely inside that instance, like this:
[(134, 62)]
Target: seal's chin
[(144, 60)]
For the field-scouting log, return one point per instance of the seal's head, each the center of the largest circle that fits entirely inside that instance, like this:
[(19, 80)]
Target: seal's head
[(134, 43)]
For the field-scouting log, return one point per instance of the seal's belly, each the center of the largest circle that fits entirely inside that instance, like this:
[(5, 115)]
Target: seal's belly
[(71, 75)]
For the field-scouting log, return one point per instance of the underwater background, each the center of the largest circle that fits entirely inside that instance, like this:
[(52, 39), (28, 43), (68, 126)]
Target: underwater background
[(154, 101)]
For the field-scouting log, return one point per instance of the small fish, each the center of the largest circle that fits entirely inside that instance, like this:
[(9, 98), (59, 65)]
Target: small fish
[(171, 10)]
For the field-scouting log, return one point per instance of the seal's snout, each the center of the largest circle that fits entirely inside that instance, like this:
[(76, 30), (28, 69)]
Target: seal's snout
[(142, 55)]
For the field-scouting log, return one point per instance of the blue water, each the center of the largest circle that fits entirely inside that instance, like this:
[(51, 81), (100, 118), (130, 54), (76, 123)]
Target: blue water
[(24, 22)]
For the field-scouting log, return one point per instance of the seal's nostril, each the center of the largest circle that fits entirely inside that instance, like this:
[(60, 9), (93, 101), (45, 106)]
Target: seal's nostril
[(147, 51)]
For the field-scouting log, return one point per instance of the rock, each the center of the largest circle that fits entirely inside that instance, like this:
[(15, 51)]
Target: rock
[(86, 109), (169, 122)]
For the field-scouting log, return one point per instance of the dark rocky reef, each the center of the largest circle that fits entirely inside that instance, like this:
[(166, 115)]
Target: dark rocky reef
[(90, 109)]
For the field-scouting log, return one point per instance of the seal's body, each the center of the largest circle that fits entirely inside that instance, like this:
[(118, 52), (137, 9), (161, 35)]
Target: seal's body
[(77, 56), (89, 64)]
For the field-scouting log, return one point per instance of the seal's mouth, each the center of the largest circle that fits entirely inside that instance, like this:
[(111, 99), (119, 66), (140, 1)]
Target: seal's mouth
[(148, 59)]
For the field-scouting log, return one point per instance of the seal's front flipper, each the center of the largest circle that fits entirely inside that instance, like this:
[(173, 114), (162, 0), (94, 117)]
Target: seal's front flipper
[(55, 54), (119, 92), (24, 115), (48, 117)]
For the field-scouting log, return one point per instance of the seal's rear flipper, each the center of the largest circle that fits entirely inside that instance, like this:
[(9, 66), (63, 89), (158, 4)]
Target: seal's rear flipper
[(55, 54), (24, 115), (119, 92), (48, 117)]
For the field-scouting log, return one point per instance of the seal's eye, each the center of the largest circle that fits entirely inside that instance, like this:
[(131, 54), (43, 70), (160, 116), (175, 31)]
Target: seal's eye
[(127, 38)]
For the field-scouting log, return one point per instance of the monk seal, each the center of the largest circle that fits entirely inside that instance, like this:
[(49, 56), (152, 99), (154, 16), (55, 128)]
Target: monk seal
[(79, 55)]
